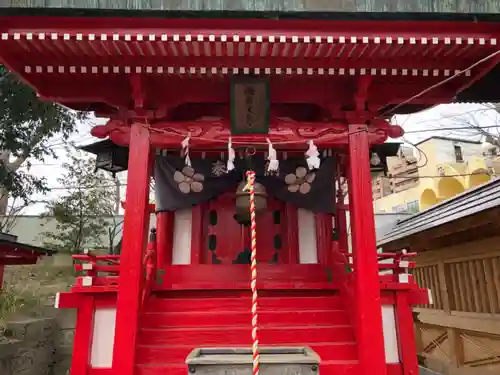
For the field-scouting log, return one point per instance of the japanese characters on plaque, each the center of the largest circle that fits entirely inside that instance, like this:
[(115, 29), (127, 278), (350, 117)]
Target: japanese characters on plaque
[(249, 105), (251, 117)]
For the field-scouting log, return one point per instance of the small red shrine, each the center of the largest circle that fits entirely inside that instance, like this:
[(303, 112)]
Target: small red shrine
[(13, 253), (195, 103)]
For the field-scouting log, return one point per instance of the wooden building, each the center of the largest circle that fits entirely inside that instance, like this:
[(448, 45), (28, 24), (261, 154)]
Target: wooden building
[(458, 242)]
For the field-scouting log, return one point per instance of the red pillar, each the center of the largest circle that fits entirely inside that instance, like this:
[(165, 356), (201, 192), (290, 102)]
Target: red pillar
[(341, 228), (80, 361), (292, 233), (165, 238), (369, 330), (341, 225), (135, 234), (324, 227), (406, 334)]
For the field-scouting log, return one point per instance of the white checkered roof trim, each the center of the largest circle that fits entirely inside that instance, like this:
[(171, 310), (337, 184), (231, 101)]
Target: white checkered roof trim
[(226, 70), (236, 38)]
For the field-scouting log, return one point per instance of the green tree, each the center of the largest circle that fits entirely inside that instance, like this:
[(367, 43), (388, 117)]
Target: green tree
[(27, 126), (86, 213)]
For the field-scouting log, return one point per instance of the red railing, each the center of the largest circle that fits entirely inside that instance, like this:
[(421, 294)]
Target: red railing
[(103, 270), (94, 265), (91, 264)]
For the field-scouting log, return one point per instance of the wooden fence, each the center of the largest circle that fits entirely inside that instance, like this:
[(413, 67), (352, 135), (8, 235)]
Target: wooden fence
[(461, 329), (471, 285)]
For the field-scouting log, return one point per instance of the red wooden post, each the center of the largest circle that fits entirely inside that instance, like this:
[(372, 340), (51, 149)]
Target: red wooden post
[(135, 234), (340, 212), (369, 310), (323, 237), (83, 336), (292, 232), (196, 234), (406, 334), (341, 228), (164, 238)]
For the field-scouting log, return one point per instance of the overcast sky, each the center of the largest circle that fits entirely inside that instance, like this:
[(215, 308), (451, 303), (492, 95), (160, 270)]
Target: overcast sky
[(419, 126)]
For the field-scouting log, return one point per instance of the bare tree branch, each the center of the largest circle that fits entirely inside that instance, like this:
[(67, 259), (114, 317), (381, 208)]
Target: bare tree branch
[(14, 210), (470, 124)]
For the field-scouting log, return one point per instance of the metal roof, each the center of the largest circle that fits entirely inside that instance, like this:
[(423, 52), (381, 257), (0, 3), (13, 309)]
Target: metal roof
[(468, 203), (271, 8)]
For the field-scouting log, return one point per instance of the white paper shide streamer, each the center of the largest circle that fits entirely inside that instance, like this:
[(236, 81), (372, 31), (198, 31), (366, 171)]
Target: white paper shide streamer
[(231, 156), (274, 163), (185, 150), (312, 156)]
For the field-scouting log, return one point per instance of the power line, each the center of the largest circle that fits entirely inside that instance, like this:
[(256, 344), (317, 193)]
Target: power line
[(85, 187), (439, 176), (445, 117), (450, 128)]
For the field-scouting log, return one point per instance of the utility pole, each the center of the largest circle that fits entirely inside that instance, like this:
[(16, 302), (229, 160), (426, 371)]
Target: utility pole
[(117, 196)]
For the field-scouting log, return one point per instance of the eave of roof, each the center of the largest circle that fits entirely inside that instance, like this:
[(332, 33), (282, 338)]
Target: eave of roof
[(473, 201), (451, 139), (242, 14), (79, 47), (17, 250), (100, 146)]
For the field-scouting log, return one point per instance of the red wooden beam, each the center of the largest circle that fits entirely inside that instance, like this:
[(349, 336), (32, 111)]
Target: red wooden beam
[(220, 139), (151, 207), (68, 300), (165, 237), (10, 261), (261, 63), (197, 234), (324, 238), (97, 268), (292, 231), (318, 90), (406, 334), (83, 336), (90, 257), (17, 250), (235, 276), (418, 296)]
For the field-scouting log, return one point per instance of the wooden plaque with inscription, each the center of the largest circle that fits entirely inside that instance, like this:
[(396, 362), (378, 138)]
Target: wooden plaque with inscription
[(249, 105)]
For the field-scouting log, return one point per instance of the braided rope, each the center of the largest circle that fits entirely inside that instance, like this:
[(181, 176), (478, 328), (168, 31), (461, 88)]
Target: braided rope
[(253, 269)]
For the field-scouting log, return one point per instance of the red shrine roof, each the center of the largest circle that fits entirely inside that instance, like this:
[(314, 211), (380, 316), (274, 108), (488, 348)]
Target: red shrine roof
[(13, 252), (87, 63)]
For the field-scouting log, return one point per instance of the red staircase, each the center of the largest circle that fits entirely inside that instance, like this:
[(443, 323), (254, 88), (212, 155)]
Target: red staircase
[(173, 325)]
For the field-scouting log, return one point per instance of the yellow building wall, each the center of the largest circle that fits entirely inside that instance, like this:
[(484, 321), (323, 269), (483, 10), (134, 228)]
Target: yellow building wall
[(432, 190)]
